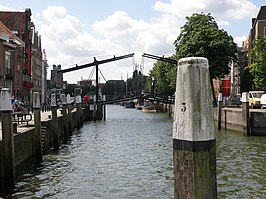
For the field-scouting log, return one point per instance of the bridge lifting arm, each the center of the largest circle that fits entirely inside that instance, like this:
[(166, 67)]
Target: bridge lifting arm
[(163, 59), (95, 63)]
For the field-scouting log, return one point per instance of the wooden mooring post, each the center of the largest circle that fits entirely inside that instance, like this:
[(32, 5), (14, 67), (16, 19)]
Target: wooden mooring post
[(79, 109), (95, 107), (245, 114), (8, 180), (220, 102), (54, 122), (37, 127), (64, 112), (69, 115), (194, 141), (104, 108)]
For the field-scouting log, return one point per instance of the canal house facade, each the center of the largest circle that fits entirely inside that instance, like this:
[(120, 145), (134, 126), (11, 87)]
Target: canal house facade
[(28, 65), (11, 54)]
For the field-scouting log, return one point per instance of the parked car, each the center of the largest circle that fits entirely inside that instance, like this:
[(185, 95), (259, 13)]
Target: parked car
[(254, 98), (263, 101)]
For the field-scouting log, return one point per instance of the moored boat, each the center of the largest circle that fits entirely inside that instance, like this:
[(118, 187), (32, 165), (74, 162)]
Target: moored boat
[(130, 104)]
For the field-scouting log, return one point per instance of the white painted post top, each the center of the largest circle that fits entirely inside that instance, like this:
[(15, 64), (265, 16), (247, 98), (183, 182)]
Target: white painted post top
[(78, 99), (5, 100), (194, 119), (63, 98), (220, 97), (53, 100), (245, 97), (68, 99), (104, 97), (36, 100)]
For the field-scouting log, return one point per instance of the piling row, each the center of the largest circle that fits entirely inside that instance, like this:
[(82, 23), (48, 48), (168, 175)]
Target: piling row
[(48, 133)]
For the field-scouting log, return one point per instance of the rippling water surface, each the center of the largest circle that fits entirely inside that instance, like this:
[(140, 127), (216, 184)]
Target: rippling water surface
[(127, 156), (130, 156)]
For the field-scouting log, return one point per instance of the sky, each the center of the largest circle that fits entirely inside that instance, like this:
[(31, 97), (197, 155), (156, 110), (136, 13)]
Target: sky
[(73, 32)]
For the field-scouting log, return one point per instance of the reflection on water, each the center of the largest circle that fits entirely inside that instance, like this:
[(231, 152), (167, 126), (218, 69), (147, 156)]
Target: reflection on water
[(130, 156), (241, 165)]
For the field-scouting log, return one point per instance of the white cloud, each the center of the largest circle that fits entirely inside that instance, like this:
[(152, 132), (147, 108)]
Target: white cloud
[(54, 13), (220, 9), (239, 40), (67, 43)]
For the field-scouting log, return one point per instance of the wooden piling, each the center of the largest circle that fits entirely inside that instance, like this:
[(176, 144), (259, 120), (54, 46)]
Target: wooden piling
[(69, 115), (77, 113), (80, 111), (37, 127), (7, 139), (245, 114), (94, 108), (64, 112), (220, 101), (54, 122), (104, 108), (193, 132)]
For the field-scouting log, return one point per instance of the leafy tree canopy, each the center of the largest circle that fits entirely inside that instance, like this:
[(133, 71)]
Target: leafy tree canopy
[(165, 77), (258, 59), (201, 37)]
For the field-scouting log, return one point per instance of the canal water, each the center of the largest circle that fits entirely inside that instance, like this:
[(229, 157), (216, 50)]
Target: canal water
[(130, 156)]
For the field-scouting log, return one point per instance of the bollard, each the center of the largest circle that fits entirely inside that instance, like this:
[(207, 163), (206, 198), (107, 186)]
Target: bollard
[(220, 101), (37, 127), (94, 108), (193, 132), (69, 118), (104, 108), (7, 139), (54, 122), (245, 114), (78, 112), (65, 126)]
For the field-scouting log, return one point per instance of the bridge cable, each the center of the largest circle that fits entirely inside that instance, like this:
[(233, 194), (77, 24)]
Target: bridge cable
[(102, 75)]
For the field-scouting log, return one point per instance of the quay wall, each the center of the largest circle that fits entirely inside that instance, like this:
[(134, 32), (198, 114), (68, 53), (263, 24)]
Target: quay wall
[(24, 138), (232, 119)]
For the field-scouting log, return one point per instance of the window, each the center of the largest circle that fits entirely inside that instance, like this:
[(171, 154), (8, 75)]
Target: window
[(7, 61)]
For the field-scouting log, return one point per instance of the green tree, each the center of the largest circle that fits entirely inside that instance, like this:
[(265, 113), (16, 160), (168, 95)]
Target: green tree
[(164, 75), (114, 88), (201, 37), (258, 60)]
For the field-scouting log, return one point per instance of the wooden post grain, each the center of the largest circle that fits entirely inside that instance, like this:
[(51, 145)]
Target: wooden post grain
[(220, 101), (64, 112), (37, 127), (245, 114), (54, 122), (69, 115), (8, 139), (194, 141)]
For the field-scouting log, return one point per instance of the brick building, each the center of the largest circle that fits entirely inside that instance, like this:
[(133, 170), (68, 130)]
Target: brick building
[(258, 27), (11, 61), (31, 66)]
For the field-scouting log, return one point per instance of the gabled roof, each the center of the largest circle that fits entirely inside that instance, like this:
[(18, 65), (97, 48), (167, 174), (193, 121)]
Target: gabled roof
[(262, 13), (5, 31), (16, 20)]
